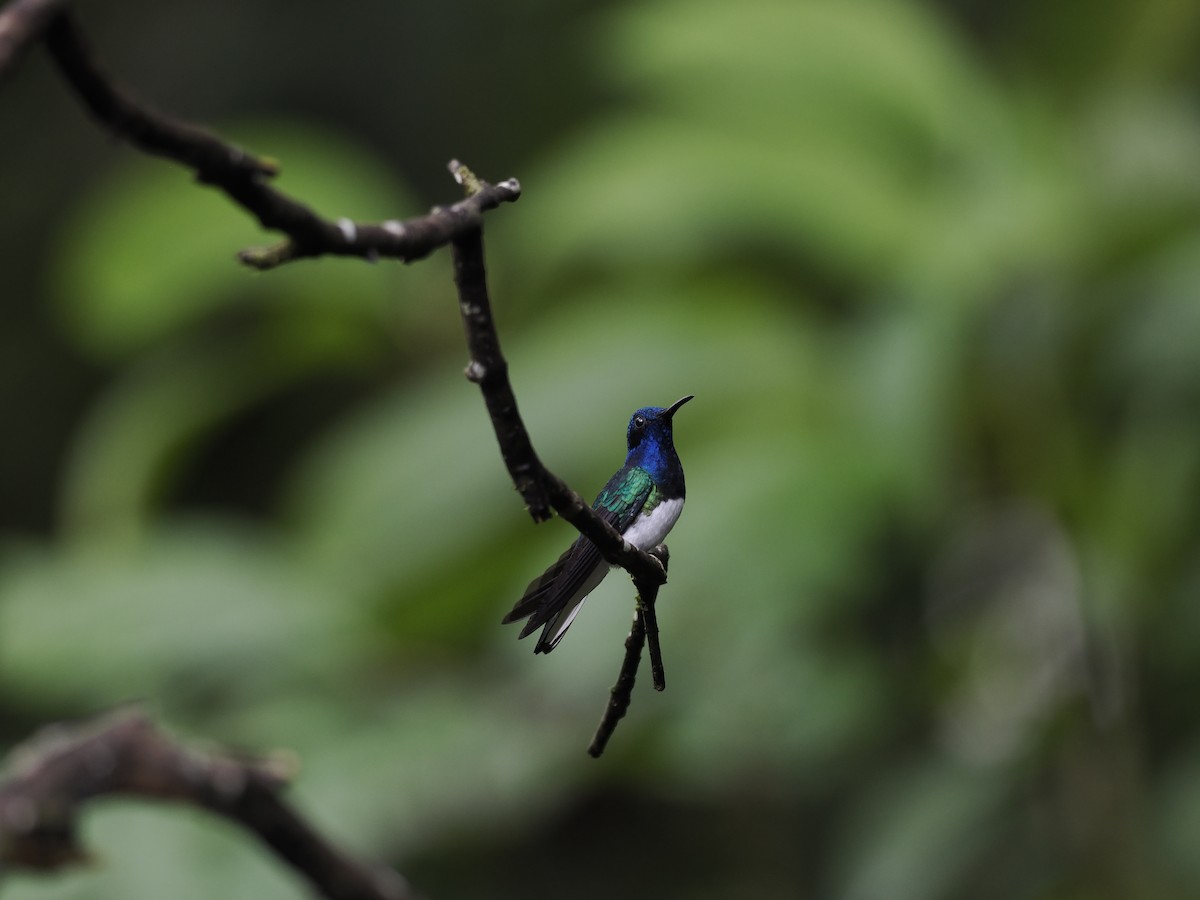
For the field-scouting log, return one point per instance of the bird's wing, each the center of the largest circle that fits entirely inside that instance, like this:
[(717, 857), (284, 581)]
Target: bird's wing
[(546, 596)]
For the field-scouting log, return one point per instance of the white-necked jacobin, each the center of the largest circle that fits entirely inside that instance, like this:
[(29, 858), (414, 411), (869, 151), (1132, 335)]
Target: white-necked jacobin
[(642, 501)]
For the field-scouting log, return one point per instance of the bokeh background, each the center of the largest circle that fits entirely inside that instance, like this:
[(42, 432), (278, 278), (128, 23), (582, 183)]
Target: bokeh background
[(932, 271)]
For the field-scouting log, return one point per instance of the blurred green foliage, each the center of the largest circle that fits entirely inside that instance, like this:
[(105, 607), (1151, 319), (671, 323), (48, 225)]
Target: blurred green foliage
[(933, 273)]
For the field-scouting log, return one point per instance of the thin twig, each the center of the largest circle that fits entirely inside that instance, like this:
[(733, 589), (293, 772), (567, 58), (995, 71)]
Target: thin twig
[(124, 754), (647, 597), (658, 676), (645, 626), (244, 178), (622, 690)]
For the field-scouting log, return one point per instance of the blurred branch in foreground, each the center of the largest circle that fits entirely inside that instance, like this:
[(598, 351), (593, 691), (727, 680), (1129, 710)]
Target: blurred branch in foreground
[(21, 22), (123, 754)]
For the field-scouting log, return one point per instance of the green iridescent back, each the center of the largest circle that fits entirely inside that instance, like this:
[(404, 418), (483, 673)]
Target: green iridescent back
[(631, 490)]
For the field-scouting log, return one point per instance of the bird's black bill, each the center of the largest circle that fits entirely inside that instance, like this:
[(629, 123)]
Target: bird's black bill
[(670, 410)]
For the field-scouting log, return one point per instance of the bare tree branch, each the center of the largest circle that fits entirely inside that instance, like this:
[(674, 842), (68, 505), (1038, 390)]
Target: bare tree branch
[(622, 691), (244, 178), (124, 754), (644, 625), (21, 23), (540, 488), (646, 599), (489, 369)]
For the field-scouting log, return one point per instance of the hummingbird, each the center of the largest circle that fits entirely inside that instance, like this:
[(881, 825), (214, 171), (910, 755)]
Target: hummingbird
[(642, 501)]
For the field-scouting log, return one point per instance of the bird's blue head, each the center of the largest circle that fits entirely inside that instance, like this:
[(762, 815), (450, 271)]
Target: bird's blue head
[(650, 438)]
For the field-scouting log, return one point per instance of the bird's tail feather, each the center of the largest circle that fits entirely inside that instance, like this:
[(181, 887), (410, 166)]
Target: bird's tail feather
[(558, 620), (557, 627), (554, 597), (535, 595)]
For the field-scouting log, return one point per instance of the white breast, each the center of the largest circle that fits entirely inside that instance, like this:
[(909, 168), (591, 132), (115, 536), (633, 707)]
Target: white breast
[(644, 533), (648, 531)]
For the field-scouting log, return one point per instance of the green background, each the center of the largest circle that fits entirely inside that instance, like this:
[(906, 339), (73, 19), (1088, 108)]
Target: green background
[(932, 271)]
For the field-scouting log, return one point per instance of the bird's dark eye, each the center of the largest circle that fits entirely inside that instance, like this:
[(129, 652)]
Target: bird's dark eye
[(638, 422)]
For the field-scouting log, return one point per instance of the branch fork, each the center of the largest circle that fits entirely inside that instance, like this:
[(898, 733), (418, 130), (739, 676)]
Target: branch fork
[(247, 180), (541, 490)]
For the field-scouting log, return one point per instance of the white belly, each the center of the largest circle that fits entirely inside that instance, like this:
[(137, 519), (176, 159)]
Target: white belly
[(649, 531), (644, 534)]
